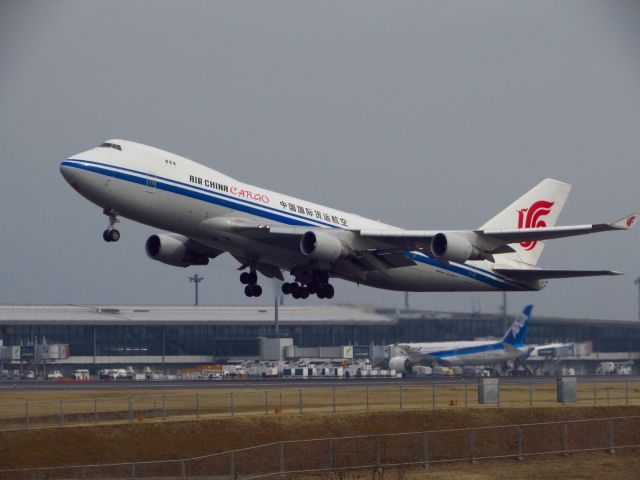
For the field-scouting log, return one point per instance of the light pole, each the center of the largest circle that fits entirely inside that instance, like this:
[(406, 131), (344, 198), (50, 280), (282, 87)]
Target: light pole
[(637, 282), (196, 279)]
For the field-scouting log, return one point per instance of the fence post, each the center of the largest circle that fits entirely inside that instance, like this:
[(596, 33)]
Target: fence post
[(330, 454), (266, 402), (26, 414), (520, 456), (61, 413), (164, 408), (83, 473), (433, 396), (626, 392), (425, 449), (565, 435), (130, 409), (377, 450), (95, 410), (334, 399), (281, 457), (133, 471), (232, 465), (611, 443), (466, 394), (400, 397), (472, 445), (531, 394), (367, 396), (197, 405), (183, 470), (300, 400), (231, 405)]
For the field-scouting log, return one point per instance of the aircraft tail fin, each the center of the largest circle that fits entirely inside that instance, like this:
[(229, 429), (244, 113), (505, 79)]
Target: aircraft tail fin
[(518, 330), (539, 207)]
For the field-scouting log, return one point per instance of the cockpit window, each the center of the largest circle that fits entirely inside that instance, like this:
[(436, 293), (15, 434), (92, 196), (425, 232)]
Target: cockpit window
[(111, 145)]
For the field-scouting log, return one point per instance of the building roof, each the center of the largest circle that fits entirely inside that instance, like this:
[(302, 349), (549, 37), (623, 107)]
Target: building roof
[(205, 315), (252, 315)]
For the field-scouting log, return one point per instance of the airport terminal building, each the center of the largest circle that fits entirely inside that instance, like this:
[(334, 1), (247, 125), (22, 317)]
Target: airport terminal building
[(183, 335)]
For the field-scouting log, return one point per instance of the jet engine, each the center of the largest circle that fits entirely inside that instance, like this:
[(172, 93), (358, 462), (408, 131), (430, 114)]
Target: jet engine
[(400, 364), (452, 247), (322, 246), (174, 250)]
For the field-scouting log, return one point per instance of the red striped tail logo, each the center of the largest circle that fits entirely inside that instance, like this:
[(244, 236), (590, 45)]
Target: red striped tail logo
[(532, 218)]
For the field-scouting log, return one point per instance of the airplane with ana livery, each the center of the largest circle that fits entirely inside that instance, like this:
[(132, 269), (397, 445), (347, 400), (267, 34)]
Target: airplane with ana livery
[(511, 347), (208, 213)]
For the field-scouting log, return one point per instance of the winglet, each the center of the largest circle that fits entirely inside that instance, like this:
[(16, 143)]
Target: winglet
[(627, 222)]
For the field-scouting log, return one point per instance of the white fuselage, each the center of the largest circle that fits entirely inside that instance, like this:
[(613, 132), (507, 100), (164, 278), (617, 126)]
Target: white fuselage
[(173, 193), (470, 352)]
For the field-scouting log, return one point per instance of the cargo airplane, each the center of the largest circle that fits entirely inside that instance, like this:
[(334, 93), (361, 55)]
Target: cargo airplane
[(208, 213), (511, 347)]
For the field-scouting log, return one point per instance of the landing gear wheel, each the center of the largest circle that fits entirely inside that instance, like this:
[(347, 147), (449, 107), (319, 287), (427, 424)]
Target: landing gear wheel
[(312, 288), (248, 291), (114, 235), (295, 290), (256, 290), (253, 277), (244, 278), (304, 293), (329, 291), (286, 288), (105, 236)]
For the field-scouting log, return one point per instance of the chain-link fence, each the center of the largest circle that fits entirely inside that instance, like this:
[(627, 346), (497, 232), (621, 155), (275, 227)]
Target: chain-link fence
[(286, 400), (370, 451)]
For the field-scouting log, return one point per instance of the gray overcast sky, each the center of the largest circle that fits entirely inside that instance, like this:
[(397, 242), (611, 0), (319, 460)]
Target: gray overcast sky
[(422, 114)]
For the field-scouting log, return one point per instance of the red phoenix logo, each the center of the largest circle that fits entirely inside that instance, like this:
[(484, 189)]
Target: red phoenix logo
[(530, 218), (630, 220)]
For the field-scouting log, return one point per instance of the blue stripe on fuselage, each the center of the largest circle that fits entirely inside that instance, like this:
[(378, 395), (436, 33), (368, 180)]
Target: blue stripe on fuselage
[(271, 213), (456, 352)]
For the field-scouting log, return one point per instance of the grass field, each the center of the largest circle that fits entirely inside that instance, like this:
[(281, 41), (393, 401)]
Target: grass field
[(19, 409), (151, 441)]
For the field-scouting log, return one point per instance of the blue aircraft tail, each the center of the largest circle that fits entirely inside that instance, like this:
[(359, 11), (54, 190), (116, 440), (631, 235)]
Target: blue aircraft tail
[(518, 330)]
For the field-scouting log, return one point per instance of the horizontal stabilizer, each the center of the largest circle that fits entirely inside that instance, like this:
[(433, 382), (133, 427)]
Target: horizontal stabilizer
[(534, 274)]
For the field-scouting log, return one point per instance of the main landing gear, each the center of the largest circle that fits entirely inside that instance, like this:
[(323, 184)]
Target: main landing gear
[(250, 279), (111, 234), (308, 284)]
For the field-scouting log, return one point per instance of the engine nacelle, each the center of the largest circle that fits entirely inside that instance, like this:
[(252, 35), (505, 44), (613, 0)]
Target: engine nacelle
[(173, 250), (400, 364), (322, 246), (452, 247)]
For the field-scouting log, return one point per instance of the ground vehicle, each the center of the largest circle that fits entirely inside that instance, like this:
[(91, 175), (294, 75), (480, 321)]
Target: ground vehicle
[(81, 374), (55, 375)]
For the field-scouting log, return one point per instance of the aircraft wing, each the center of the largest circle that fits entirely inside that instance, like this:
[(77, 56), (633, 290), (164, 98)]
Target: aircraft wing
[(539, 274), (495, 240)]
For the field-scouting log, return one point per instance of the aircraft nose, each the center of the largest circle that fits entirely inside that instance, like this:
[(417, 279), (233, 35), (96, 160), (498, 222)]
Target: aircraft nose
[(65, 170), (69, 173)]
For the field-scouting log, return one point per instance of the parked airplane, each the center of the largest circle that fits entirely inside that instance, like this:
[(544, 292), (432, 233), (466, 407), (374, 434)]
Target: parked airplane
[(210, 213), (464, 353)]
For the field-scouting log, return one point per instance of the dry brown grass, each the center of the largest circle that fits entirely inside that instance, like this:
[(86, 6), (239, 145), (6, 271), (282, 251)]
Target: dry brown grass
[(183, 439), (79, 407)]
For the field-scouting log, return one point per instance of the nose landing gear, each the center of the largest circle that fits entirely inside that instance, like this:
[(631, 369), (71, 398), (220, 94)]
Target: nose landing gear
[(111, 234), (250, 279)]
